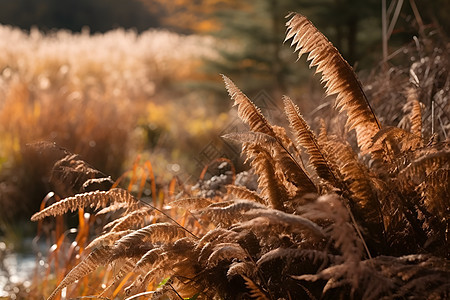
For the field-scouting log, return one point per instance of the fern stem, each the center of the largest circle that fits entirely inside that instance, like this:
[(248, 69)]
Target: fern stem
[(175, 291), (170, 218), (295, 161), (358, 230)]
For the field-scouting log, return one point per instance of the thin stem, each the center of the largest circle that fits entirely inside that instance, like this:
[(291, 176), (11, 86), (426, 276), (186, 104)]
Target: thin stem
[(175, 291), (170, 218), (417, 15), (384, 30), (398, 8), (358, 230)]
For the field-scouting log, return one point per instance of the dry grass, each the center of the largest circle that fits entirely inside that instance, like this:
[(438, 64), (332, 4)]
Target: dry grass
[(87, 93)]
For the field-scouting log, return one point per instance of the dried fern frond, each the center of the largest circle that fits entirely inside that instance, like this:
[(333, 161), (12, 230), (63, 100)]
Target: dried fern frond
[(255, 291), (358, 189), (69, 174), (134, 219), (94, 199), (423, 276), (98, 257), (150, 258), (231, 213), (270, 184), (416, 118), (242, 268), (141, 283), (436, 192), (212, 235), (226, 252), (164, 292), (252, 116), (112, 208), (343, 234), (123, 269), (247, 111), (391, 142), (191, 203), (107, 239), (386, 277), (287, 144), (257, 138), (244, 193), (415, 115), (292, 222), (306, 138), (288, 254), (159, 232), (338, 76), (426, 164), (293, 172)]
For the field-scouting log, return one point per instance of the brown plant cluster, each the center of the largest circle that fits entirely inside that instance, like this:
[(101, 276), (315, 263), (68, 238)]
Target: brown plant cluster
[(370, 223)]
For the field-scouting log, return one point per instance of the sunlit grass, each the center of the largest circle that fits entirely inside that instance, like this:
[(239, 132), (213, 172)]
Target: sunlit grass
[(92, 94)]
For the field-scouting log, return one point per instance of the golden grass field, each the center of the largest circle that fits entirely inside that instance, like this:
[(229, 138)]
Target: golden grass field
[(356, 208)]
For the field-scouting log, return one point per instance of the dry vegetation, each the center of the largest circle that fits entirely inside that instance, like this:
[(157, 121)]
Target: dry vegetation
[(362, 221), (89, 93)]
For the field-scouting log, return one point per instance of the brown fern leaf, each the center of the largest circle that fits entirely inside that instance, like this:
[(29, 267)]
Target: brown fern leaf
[(416, 118), (231, 213), (246, 268), (288, 144), (340, 231), (257, 138), (98, 257), (247, 111), (436, 192), (307, 139), (415, 115), (270, 184), (217, 233), (170, 259), (391, 142), (387, 277), (112, 208), (107, 239), (123, 269), (263, 136), (71, 175), (226, 252), (68, 173), (159, 232), (358, 188), (289, 254), (141, 283), (428, 163), (255, 291), (94, 199), (338, 76), (150, 258), (134, 219), (244, 193), (293, 172), (291, 222), (191, 203)]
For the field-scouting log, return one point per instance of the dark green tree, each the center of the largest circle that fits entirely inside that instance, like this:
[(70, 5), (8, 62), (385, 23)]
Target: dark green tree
[(255, 55)]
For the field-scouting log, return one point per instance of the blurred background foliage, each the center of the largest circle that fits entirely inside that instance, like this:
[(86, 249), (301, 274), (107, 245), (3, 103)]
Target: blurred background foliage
[(112, 79)]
